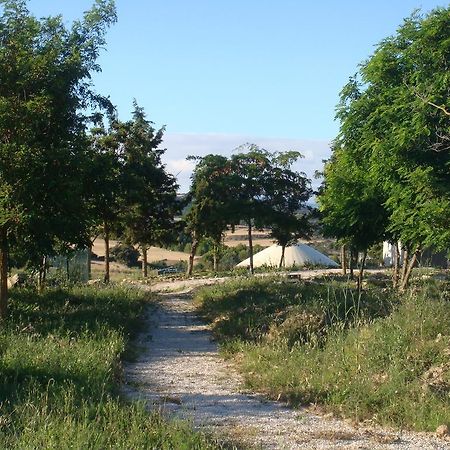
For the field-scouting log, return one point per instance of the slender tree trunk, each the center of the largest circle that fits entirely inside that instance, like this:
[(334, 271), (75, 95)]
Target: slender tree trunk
[(353, 257), (250, 246), (283, 250), (39, 282), (3, 273), (44, 270), (194, 246), (409, 268), (344, 259), (42, 274), (89, 261), (405, 258), (144, 262), (396, 274), (361, 270), (106, 238), (215, 258)]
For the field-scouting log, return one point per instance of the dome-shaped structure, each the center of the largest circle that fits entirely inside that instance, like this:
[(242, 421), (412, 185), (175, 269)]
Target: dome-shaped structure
[(295, 255)]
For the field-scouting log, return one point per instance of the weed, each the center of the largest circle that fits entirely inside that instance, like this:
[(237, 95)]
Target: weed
[(370, 356), (60, 371)]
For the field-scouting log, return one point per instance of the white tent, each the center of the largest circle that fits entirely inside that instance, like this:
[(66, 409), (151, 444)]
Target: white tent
[(295, 255)]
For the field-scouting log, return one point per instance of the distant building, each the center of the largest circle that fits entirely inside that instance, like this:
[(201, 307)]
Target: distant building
[(427, 258)]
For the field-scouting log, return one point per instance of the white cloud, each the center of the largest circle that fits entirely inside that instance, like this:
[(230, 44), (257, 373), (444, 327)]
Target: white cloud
[(181, 145)]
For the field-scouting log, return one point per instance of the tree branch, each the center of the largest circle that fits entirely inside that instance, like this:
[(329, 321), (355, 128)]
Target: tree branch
[(422, 97)]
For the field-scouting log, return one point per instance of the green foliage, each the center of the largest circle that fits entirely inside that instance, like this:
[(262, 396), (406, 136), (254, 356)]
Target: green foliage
[(389, 362), (254, 186), (389, 174), (150, 200), (60, 372), (125, 254), (45, 87)]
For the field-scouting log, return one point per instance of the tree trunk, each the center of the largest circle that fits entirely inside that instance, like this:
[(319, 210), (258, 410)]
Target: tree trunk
[(42, 274), (344, 259), (215, 258), (353, 257), (405, 257), (194, 246), (361, 270), (144, 262), (283, 249), (3, 273), (396, 274), (250, 246), (106, 238), (44, 271), (89, 258), (408, 271)]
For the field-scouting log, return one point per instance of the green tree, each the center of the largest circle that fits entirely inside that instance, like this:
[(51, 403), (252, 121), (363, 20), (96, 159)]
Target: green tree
[(212, 200), (287, 192), (394, 140), (250, 168), (150, 191), (45, 86), (265, 190), (106, 182)]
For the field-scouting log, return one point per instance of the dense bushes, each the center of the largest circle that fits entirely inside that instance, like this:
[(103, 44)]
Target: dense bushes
[(125, 254)]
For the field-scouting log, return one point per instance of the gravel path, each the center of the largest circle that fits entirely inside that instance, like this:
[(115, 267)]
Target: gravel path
[(180, 372)]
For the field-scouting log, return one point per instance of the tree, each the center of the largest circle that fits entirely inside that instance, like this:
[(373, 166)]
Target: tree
[(212, 201), (287, 192), (254, 186), (407, 78), (395, 136), (106, 182), (44, 88), (266, 190), (351, 205), (250, 168), (150, 191)]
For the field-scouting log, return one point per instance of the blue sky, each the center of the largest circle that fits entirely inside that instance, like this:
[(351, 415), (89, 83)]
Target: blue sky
[(219, 73)]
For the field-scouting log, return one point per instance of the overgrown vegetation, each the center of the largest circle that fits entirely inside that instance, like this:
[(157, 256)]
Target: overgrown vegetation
[(370, 357), (60, 372)]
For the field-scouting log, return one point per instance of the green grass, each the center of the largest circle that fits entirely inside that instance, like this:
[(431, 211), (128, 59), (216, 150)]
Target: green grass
[(375, 357), (60, 371)]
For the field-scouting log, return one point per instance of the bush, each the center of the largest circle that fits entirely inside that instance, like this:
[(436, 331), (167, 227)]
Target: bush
[(125, 254)]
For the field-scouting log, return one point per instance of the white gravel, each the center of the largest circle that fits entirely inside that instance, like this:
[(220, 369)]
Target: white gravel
[(181, 373)]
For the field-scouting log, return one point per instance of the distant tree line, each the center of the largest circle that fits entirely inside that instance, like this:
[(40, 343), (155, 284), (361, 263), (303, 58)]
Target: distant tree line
[(389, 174)]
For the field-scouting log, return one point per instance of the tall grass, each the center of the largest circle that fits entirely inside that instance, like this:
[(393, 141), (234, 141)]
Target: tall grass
[(60, 372), (371, 357)]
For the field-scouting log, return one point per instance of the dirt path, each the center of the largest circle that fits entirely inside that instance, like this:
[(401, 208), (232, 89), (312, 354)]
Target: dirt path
[(181, 373)]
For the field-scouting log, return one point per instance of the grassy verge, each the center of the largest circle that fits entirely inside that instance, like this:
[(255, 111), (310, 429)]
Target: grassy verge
[(60, 372), (373, 357)]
